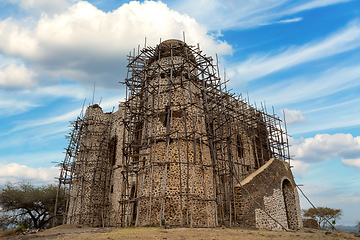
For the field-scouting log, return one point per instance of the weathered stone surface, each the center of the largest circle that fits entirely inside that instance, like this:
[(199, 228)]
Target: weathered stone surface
[(176, 150), (270, 190)]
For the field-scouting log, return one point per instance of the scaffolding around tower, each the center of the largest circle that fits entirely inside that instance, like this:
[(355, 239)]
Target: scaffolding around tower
[(175, 150)]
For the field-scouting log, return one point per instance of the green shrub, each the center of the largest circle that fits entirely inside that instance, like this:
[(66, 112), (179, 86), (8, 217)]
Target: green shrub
[(20, 228)]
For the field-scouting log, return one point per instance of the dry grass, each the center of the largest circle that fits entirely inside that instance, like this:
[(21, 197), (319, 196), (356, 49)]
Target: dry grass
[(8, 232), (82, 233)]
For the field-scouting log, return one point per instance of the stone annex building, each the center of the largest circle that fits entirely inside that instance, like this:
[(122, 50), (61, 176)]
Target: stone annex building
[(182, 150)]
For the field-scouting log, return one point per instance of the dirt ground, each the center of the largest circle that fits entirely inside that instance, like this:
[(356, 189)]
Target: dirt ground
[(82, 233)]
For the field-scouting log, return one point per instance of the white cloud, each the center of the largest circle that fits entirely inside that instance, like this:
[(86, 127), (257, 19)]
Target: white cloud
[(354, 162), (264, 64), (14, 172), (324, 147), (86, 44), (293, 116), (300, 167), (17, 76), (109, 104)]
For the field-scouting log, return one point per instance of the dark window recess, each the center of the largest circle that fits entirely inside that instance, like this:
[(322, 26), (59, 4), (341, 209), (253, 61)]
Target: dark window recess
[(133, 192), (167, 116), (112, 188), (177, 114), (133, 196), (240, 148), (112, 147)]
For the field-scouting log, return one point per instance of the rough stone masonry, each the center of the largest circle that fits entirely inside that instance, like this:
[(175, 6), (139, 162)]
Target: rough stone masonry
[(182, 150)]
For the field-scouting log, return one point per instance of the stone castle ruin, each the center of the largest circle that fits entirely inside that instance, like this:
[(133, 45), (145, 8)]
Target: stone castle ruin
[(182, 150)]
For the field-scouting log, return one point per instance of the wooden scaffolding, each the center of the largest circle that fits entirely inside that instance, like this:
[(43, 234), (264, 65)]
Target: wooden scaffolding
[(176, 82), (187, 140)]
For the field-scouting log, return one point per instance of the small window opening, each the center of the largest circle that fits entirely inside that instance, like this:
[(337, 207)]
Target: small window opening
[(133, 192), (167, 116), (112, 147), (240, 149)]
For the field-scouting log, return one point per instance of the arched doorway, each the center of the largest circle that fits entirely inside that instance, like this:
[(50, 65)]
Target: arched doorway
[(290, 204)]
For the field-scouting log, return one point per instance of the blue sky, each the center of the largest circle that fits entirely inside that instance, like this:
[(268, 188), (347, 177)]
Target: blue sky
[(302, 57)]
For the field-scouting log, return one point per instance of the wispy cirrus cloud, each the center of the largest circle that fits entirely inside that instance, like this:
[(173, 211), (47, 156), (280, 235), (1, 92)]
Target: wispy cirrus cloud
[(284, 21), (41, 122), (9, 105), (332, 106), (308, 87), (217, 14), (260, 65), (308, 5), (291, 20), (107, 105), (20, 99)]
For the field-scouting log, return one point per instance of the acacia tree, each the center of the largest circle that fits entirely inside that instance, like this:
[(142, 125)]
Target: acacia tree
[(358, 225), (323, 215), (29, 204)]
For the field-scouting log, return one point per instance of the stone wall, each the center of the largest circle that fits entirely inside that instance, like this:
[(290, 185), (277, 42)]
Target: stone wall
[(90, 181), (117, 179), (174, 152), (269, 191)]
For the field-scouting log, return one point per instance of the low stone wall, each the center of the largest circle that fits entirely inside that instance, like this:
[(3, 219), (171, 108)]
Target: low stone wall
[(270, 190)]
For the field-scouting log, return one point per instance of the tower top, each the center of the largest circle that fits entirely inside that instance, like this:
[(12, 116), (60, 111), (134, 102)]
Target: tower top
[(173, 47)]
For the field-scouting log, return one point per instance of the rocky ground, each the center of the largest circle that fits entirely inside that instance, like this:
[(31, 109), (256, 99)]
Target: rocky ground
[(82, 233)]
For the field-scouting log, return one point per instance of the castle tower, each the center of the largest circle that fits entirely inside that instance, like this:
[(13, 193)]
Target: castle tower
[(182, 150), (91, 173), (167, 142)]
